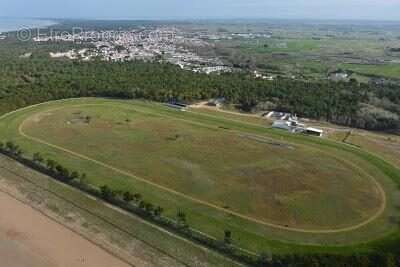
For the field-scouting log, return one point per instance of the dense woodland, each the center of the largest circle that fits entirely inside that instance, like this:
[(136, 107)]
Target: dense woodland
[(29, 81), (25, 81)]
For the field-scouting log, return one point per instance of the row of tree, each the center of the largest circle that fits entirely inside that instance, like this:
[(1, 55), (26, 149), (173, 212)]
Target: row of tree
[(131, 202), (38, 79), (134, 203)]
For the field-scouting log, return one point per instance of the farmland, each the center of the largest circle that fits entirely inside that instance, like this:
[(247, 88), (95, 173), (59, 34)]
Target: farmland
[(307, 50), (225, 174), (387, 70)]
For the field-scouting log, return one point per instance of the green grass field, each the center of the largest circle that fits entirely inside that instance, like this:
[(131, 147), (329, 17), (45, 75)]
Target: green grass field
[(282, 46), (385, 145), (274, 191), (99, 221), (387, 70), (314, 56)]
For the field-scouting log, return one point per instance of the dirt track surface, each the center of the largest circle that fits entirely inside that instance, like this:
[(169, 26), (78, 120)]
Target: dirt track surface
[(29, 239), (206, 203)]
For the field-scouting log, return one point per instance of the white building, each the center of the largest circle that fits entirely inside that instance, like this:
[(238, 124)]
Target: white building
[(314, 131), (289, 125), (282, 125), (338, 76), (292, 125)]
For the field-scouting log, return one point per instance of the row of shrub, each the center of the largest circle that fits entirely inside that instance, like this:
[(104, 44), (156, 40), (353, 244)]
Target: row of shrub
[(126, 200), (135, 204)]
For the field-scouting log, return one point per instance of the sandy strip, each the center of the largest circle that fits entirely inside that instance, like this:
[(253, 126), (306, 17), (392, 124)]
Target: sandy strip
[(203, 105), (29, 239)]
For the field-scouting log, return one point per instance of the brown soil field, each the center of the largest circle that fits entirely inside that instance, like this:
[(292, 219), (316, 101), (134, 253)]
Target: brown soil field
[(30, 239)]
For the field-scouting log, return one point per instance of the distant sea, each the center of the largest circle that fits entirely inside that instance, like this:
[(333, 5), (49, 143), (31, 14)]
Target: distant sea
[(10, 24)]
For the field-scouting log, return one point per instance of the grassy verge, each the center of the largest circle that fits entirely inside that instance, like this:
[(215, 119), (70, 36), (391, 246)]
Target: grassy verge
[(129, 236)]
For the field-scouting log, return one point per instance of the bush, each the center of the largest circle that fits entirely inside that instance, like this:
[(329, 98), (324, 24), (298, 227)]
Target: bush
[(180, 226), (374, 118)]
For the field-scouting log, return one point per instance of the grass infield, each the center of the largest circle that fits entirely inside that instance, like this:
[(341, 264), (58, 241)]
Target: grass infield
[(274, 191)]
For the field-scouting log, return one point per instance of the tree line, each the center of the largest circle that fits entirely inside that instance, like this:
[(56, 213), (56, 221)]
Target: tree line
[(128, 201), (28, 81), (135, 203)]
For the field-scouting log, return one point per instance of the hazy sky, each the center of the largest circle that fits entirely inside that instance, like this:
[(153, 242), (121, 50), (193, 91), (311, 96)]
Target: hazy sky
[(166, 9)]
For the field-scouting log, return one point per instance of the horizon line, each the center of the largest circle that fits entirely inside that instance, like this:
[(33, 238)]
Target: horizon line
[(147, 18)]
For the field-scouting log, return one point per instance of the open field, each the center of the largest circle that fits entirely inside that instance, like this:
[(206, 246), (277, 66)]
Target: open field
[(387, 70), (263, 185), (201, 162), (313, 51), (129, 238), (279, 46), (385, 145), (24, 245)]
